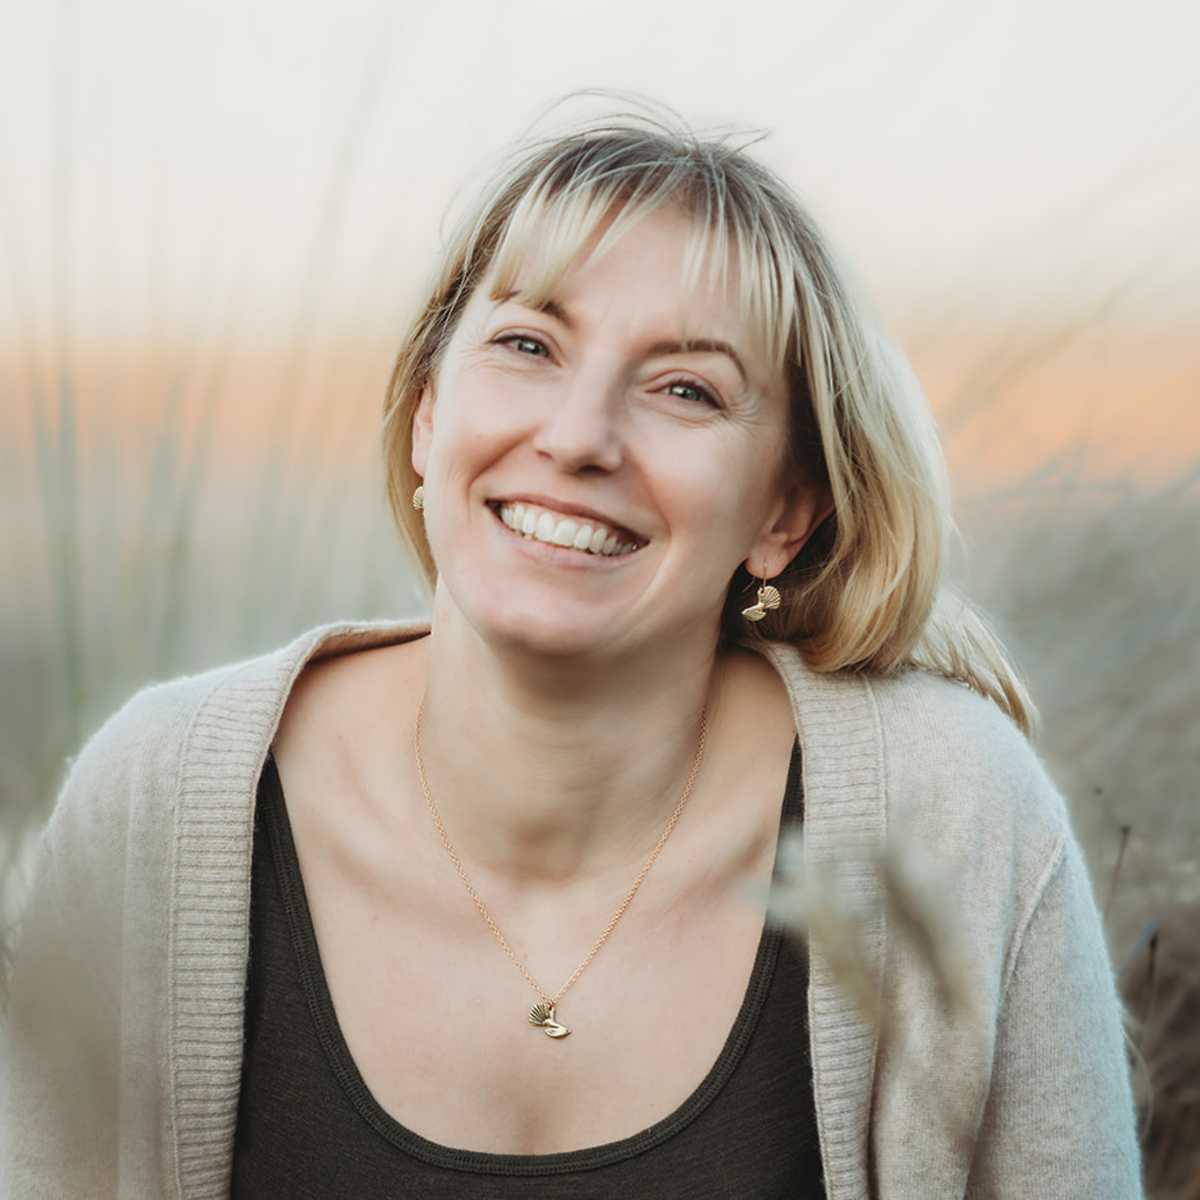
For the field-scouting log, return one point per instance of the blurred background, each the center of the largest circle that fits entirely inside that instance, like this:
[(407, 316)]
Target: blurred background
[(214, 218)]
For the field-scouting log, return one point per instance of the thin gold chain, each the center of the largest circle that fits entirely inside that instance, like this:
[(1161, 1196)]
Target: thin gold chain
[(637, 883)]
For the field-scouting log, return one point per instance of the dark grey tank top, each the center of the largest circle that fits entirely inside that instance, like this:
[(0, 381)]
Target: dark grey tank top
[(308, 1128)]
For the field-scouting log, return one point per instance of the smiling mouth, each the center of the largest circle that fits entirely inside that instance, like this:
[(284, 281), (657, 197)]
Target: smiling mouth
[(572, 533)]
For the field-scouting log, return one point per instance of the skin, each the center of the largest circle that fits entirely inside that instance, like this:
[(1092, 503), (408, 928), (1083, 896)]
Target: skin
[(563, 697)]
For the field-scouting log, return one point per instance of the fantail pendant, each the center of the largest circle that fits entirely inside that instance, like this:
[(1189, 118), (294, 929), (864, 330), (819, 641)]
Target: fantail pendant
[(543, 1015), (768, 597)]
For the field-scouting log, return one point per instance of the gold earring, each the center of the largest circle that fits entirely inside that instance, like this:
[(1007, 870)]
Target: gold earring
[(419, 498), (768, 597)]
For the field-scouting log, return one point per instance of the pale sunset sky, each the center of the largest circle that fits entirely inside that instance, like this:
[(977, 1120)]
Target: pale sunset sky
[(1015, 185)]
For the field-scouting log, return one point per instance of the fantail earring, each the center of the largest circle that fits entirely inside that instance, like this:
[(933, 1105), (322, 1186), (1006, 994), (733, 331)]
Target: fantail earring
[(418, 500), (768, 597)]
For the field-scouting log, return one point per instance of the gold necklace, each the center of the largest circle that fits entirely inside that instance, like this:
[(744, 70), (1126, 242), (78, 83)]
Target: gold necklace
[(542, 1013)]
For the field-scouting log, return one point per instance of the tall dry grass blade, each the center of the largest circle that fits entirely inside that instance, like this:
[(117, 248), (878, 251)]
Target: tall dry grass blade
[(1151, 976), (805, 899), (919, 915), (1148, 934), (1116, 873)]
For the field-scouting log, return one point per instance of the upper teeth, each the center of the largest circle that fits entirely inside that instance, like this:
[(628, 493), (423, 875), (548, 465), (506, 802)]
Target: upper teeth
[(544, 526)]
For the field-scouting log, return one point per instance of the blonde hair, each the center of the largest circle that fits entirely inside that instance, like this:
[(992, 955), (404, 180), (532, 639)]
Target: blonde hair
[(866, 592)]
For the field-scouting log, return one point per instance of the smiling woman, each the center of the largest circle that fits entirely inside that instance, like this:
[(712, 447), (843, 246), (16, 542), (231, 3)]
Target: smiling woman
[(476, 908), (601, 419)]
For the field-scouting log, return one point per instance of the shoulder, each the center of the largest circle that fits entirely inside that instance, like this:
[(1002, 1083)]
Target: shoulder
[(928, 710), (147, 729), (141, 748), (131, 763), (341, 704), (914, 757), (927, 741), (170, 737), (954, 758)]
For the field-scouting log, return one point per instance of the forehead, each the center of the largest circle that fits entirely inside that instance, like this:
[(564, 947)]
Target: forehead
[(650, 270), (551, 243)]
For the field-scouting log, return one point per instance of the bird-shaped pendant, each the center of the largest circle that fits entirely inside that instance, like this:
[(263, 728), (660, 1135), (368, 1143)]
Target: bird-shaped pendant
[(768, 597), (543, 1015)]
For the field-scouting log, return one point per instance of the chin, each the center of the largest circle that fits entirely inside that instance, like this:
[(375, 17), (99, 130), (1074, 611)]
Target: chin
[(536, 636), (511, 622)]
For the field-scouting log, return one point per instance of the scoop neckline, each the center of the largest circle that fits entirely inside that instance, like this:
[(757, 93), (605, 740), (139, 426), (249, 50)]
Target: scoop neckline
[(482, 1162)]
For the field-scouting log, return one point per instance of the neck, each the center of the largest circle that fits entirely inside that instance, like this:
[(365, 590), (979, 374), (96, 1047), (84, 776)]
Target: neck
[(545, 770)]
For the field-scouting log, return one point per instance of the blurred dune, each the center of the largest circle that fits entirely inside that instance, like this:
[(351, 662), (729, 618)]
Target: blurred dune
[(1116, 406), (1119, 401)]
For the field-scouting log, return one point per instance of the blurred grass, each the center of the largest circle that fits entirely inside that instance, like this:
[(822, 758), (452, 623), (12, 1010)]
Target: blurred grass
[(134, 556), (131, 558)]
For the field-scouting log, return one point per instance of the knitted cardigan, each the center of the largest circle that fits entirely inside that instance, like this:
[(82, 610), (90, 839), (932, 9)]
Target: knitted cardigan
[(121, 1051)]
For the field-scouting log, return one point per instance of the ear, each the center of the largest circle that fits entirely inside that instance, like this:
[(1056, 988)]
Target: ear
[(422, 431), (794, 519)]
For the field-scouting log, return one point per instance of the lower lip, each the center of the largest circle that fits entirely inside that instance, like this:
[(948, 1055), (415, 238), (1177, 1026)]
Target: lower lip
[(561, 556)]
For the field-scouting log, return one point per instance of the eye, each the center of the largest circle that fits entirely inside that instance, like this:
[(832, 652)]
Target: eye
[(687, 390), (524, 344)]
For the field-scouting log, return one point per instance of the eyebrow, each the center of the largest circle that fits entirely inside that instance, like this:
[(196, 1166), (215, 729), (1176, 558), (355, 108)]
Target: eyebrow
[(659, 349), (699, 346)]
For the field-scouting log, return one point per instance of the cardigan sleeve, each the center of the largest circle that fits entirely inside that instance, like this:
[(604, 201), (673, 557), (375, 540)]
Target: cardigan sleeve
[(82, 1059), (1059, 1120), (1021, 1087)]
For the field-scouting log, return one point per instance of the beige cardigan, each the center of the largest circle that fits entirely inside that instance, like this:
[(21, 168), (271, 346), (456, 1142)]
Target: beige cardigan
[(121, 1054)]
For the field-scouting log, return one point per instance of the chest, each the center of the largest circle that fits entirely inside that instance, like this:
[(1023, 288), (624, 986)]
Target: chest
[(434, 1012), (433, 1008), (746, 1122)]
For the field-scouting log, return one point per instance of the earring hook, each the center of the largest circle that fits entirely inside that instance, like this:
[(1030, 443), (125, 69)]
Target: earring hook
[(768, 598)]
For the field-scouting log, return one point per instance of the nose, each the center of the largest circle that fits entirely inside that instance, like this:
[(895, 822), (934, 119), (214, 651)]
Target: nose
[(582, 430)]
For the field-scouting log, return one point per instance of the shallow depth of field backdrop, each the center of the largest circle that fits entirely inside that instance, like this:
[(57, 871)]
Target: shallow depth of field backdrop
[(213, 218)]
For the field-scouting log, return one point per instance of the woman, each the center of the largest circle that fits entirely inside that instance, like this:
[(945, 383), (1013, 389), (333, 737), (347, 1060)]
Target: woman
[(490, 933)]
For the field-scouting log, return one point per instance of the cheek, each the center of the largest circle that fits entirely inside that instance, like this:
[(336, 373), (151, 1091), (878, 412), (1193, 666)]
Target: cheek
[(723, 490), (458, 431), (743, 475)]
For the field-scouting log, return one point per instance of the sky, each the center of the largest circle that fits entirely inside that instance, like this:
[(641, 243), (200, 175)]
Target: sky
[(162, 155), (175, 174)]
